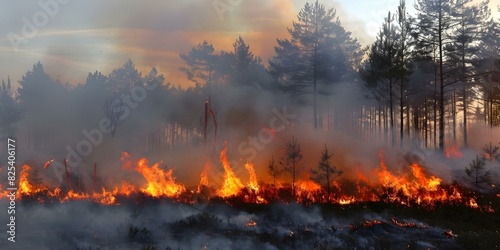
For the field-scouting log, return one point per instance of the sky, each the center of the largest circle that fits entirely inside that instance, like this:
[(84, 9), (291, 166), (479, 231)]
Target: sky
[(74, 37)]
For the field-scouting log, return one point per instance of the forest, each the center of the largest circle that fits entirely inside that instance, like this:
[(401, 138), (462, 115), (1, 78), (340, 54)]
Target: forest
[(407, 124), (426, 80)]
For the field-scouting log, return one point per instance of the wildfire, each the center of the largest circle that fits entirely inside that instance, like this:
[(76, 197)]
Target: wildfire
[(47, 164), (204, 176), (452, 152), (25, 187), (127, 189), (159, 182), (410, 187), (232, 184), (347, 200), (252, 183), (415, 186)]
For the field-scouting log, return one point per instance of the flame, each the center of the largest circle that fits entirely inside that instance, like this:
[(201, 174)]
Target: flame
[(347, 200), (47, 164), (410, 186), (232, 184), (159, 181), (204, 176), (417, 187), (127, 189), (252, 183), (452, 152), (125, 158), (25, 187), (472, 203)]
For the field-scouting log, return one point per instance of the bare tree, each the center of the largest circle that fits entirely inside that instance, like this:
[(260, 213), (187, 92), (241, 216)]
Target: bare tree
[(113, 110)]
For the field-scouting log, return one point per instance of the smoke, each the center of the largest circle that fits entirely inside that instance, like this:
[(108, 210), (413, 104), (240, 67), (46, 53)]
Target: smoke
[(81, 225)]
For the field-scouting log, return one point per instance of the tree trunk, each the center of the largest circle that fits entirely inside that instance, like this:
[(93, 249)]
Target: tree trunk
[(441, 78)]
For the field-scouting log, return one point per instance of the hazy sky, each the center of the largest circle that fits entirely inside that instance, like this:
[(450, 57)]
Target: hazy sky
[(76, 37)]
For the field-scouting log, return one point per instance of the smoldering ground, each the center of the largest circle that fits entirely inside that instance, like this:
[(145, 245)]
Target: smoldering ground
[(82, 225)]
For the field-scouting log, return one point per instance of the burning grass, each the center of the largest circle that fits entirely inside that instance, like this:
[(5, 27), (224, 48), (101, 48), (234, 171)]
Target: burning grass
[(411, 187)]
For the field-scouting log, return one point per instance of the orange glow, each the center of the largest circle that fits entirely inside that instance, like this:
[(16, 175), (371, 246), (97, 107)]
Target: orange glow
[(411, 185), (204, 176), (251, 223), (416, 185), (25, 187), (127, 189), (252, 183), (159, 182), (232, 184), (452, 152), (47, 164), (127, 164), (472, 203)]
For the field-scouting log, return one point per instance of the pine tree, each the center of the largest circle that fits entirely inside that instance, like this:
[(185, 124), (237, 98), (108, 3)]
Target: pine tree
[(491, 153), (325, 172), (273, 170), (202, 65), (477, 173), (404, 64), (320, 51), (381, 71), (10, 112), (434, 24), (243, 67), (290, 159), (462, 51)]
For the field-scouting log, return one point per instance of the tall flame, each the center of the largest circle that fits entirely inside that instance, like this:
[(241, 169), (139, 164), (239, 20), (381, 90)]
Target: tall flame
[(252, 183), (232, 184)]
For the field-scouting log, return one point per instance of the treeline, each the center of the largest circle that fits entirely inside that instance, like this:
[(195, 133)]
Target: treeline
[(426, 79)]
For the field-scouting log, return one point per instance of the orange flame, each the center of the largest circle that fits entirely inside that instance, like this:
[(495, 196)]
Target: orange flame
[(452, 152), (47, 164), (204, 176), (232, 184), (159, 182), (252, 183)]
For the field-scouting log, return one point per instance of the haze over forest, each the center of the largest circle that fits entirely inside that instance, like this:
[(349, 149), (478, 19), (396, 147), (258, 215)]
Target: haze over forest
[(428, 78)]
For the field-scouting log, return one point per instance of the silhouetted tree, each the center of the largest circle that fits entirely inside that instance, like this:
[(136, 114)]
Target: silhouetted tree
[(242, 66), (434, 18), (10, 111), (477, 173), (273, 170), (320, 51), (290, 159), (326, 172), (124, 79)]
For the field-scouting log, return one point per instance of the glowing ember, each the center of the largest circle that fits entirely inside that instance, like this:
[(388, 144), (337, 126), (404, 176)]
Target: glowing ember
[(47, 164), (251, 223), (347, 201), (232, 184), (473, 203)]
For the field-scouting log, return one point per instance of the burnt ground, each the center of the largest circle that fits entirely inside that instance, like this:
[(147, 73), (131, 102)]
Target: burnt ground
[(168, 225)]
